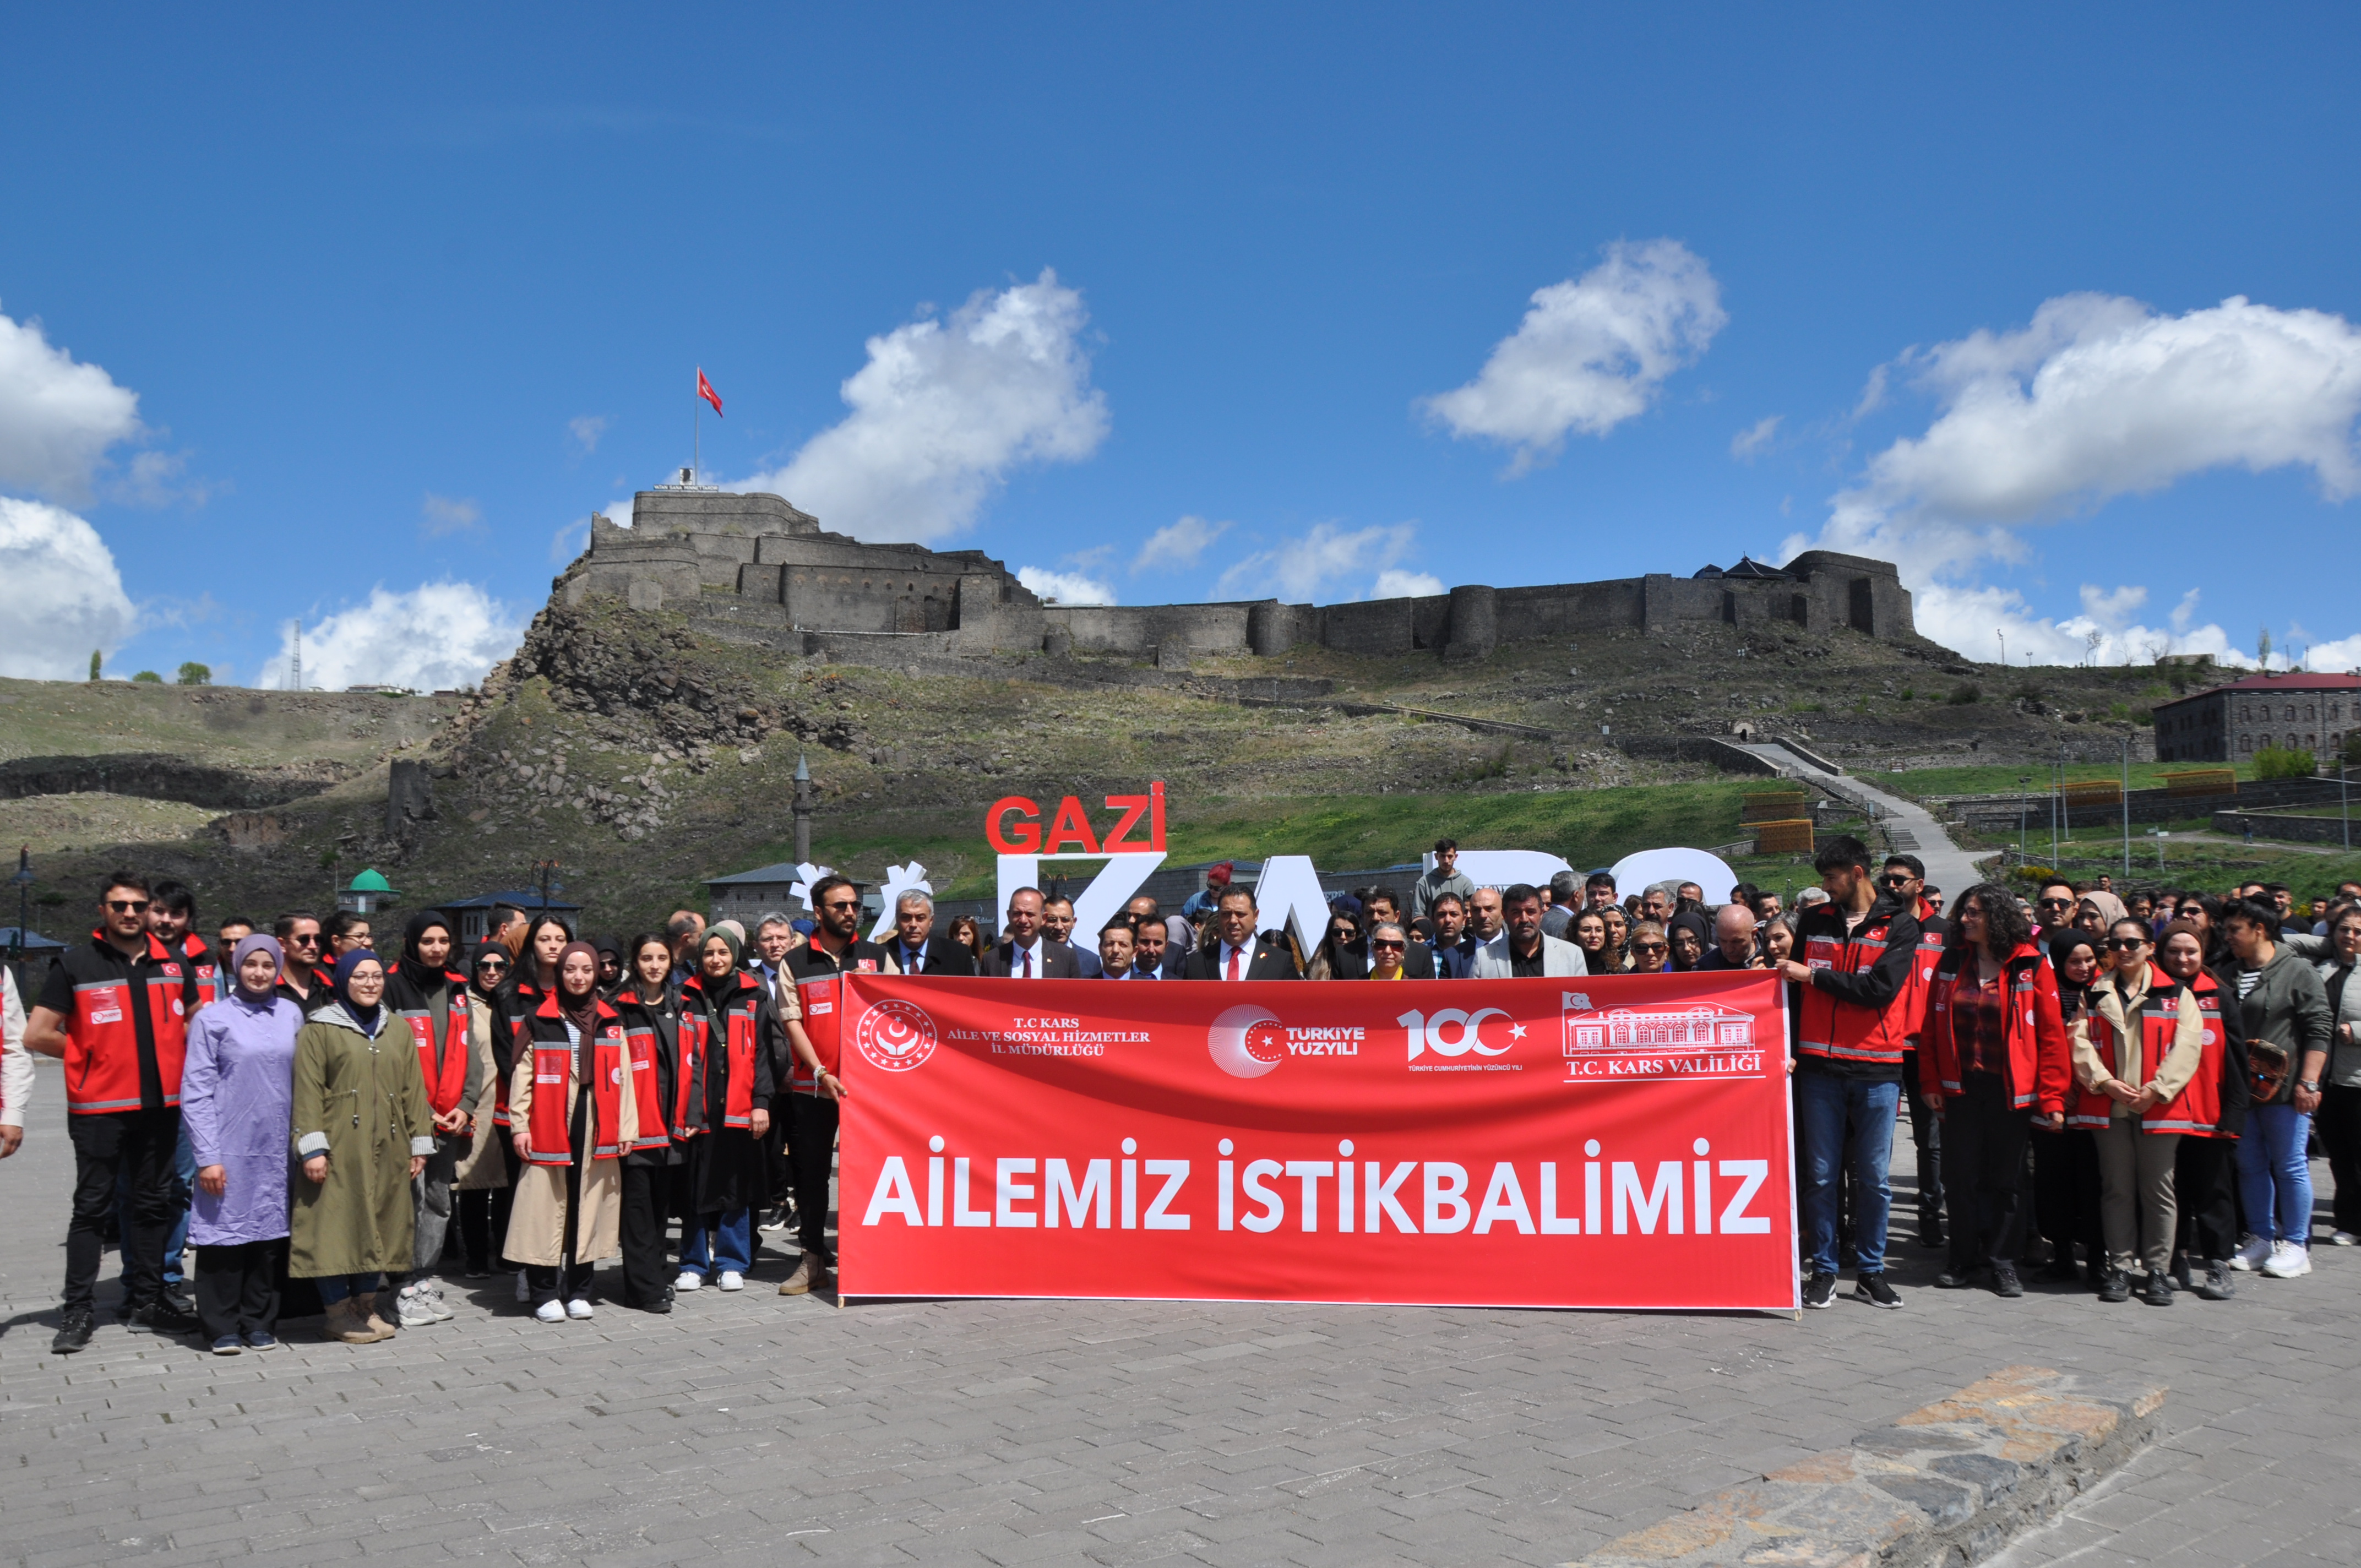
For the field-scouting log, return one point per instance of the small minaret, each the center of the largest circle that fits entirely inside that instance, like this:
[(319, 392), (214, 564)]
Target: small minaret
[(803, 808)]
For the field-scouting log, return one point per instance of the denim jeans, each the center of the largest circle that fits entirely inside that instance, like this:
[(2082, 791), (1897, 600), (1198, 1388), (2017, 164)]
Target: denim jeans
[(335, 1288), (718, 1243), (1844, 1123), (2274, 1177)]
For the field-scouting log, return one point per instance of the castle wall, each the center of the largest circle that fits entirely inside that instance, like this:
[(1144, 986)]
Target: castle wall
[(768, 569)]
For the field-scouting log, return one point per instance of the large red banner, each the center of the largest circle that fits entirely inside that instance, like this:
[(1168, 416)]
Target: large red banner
[(1616, 1142)]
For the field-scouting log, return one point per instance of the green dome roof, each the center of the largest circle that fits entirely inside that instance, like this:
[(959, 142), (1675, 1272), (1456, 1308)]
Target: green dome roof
[(371, 881)]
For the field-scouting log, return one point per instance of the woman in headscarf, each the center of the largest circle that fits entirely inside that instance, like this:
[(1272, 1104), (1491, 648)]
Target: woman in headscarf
[(730, 1039), (572, 1113), (530, 982), (429, 997), (1690, 937), (1618, 937), (480, 1182), (2066, 1207), (652, 1018), (363, 1130), (612, 971), (236, 1100)]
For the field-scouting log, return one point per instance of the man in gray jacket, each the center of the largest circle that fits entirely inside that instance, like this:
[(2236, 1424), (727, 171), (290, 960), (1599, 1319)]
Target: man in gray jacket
[(1522, 949)]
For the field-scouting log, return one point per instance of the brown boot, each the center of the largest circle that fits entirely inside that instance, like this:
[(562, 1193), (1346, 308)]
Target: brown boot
[(365, 1313), (343, 1324), (808, 1275)]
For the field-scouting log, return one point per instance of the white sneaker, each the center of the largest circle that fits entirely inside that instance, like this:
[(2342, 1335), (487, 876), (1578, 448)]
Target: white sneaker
[(689, 1281), (2250, 1254), (430, 1296), (411, 1309), (524, 1291), (2344, 1238), (579, 1310), (2289, 1261), (550, 1313), (731, 1281)]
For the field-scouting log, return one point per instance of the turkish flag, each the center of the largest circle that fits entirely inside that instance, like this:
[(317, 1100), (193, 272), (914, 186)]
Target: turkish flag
[(705, 390)]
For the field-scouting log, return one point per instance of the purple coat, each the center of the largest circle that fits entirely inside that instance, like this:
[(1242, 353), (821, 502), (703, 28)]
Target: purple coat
[(237, 1090)]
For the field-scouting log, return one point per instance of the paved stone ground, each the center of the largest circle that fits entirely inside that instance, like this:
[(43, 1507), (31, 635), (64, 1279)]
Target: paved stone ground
[(759, 1428)]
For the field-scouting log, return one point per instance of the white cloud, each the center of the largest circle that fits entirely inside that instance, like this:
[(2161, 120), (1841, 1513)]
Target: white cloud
[(1393, 583), (618, 512), (586, 428), (434, 636), (568, 542), (943, 412), (1066, 587), (2095, 398), (1301, 570), (64, 596), (1176, 546), (57, 418), (1590, 352), (439, 515), (1747, 443)]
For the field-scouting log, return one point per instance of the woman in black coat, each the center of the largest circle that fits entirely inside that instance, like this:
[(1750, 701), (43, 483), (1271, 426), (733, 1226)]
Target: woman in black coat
[(652, 1023)]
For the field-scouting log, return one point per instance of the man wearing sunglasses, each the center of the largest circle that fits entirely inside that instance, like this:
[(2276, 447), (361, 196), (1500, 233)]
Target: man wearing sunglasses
[(116, 1009), (2053, 910), (305, 954)]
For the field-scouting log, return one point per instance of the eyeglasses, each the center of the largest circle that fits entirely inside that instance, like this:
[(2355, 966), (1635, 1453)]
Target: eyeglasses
[(2124, 944), (1895, 879), (493, 965), (128, 906)]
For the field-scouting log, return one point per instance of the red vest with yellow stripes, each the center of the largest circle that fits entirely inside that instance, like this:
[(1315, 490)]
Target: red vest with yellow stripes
[(738, 1000), (553, 1067), (103, 1037)]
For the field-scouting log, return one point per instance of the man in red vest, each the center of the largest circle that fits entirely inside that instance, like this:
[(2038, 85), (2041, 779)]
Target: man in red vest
[(1853, 965), (116, 1009)]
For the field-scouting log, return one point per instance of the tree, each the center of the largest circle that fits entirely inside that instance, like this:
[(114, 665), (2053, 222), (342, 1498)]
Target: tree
[(97, 658), (151, 676), (2263, 648), (196, 674), (2281, 763)]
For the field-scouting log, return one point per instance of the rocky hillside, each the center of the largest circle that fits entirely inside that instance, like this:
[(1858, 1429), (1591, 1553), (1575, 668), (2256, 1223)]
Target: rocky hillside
[(643, 758)]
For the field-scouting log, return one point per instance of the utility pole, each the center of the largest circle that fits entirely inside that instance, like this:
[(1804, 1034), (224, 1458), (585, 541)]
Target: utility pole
[(295, 681), (802, 810), (2056, 802), (24, 881)]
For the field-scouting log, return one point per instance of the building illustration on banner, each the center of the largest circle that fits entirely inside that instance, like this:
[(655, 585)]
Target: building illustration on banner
[(1684, 1040)]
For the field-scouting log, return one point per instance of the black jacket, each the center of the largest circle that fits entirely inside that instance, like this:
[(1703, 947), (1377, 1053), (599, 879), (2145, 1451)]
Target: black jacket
[(943, 957), (1053, 960), (1266, 962), (663, 1021)]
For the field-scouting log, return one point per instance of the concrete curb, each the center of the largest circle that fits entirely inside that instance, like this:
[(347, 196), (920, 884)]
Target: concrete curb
[(1950, 1483)]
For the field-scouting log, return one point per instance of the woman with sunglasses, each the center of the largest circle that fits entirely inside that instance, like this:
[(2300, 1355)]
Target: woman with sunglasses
[(2135, 1051), (1388, 943), (1650, 951), (1339, 956), (2202, 912), (2205, 1168), (2066, 1208), (479, 1186)]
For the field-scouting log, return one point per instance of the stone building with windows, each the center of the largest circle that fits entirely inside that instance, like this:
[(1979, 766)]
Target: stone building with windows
[(752, 568), (2296, 710)]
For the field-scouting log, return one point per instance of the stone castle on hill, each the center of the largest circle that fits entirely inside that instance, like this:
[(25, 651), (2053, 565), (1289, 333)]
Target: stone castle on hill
[(752, 568)]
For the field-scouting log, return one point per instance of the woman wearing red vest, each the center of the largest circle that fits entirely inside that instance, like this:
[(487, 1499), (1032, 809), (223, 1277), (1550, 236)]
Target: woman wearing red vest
[(728, 1031), (571, 1119), (429, 999), (2137, 1055), (1992, 1056), (652, 1027), (2205, 1168), (532, 982)]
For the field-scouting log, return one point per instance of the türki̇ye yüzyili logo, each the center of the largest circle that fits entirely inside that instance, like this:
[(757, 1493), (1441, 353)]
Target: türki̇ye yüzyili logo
[(1249, 1041)]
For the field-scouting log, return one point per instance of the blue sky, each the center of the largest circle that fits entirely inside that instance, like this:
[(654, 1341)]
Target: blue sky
[(401, 304)]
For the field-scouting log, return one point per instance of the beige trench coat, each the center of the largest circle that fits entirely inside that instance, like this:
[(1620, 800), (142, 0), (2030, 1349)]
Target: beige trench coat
[(483, 1167), (537, 1216)]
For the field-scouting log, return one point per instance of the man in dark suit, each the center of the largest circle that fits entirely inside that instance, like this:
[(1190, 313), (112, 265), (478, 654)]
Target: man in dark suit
[(1151, 949), (1119, 951), (1058, 923), (1452, 957), (914, 947), (1024, 951), (1236, 952)]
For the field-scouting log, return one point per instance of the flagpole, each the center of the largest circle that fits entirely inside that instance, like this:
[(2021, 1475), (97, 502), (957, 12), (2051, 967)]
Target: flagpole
[(696, 440)]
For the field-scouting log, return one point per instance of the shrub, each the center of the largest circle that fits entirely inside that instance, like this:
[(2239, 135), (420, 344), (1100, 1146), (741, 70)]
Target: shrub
[(2280, 763), (196, 674), (1965, 693), (149, 675)]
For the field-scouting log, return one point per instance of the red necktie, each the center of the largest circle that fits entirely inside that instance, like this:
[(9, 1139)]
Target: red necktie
[(1234, 963), (1028, 964)]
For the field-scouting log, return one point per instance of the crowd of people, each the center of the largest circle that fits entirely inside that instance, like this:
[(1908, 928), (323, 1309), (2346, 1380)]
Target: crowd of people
[(2139, 1077)]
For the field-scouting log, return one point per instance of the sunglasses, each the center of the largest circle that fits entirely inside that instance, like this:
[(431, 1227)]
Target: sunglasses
[(2056, 904), (1389, 946), (301, 940), (1647, 947), (128, 906), (2124, 944), (494, 965), (1895, 879)]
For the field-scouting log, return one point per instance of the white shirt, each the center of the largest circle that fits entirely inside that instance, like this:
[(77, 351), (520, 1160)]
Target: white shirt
[(15, 1061)]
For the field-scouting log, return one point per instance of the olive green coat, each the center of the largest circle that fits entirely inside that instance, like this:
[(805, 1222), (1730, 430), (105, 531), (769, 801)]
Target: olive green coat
[(364, 1102)]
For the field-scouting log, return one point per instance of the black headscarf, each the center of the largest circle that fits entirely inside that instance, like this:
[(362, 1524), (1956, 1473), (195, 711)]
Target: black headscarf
[(1689, 920), (489, 993), (425, 978), (365, 1018)]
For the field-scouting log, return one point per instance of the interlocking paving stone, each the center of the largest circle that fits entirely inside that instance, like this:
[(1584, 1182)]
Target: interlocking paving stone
[(782, 1430)]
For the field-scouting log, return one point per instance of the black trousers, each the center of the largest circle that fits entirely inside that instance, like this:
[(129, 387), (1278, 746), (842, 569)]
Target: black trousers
[(2066, 1192), (476, 1209), (2205, 1181), (1927, 1141), (237, 1289), (647, 1195), (146, 1143), (811, 1150), (2338, 1122), (1983, 1170)]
